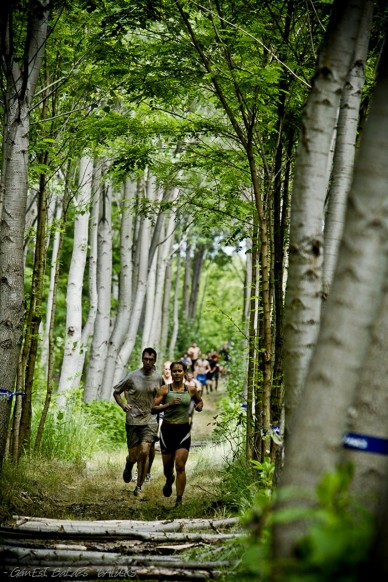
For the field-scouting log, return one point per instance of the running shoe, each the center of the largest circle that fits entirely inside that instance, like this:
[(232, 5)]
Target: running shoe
[(127, 474), (167, 489), (138, 492)]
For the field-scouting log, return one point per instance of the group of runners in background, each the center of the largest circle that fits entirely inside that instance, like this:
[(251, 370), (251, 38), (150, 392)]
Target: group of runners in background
[(206, 367), (160, 407)]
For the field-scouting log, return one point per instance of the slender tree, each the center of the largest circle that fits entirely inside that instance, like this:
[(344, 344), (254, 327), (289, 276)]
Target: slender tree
[(20, 73), (311, 179), (348, 319), (70, 370)]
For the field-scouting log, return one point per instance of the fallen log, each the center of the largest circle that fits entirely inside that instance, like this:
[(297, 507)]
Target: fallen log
[(64, 558), (72, 533), (161, 525), (134, 546), (115, 529)]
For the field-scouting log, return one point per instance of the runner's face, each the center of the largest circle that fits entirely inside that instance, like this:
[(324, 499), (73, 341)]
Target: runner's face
[(148, 361), (167, 371), (177, 373)]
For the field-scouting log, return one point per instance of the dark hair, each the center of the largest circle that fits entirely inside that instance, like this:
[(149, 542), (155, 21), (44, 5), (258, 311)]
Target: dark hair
[(149, 351), (178, 363)]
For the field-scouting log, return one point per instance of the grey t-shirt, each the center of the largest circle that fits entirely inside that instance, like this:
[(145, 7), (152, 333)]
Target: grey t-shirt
[(141, 391)]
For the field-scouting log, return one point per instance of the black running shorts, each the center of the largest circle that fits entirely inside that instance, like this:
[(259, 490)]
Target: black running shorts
[(174, 437)]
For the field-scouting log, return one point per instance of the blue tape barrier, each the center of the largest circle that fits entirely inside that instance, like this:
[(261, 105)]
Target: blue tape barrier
[(8, 394), (365, 443)]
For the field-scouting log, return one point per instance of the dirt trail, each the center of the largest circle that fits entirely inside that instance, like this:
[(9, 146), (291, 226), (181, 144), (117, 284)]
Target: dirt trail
[(95, 528), (98, 492)]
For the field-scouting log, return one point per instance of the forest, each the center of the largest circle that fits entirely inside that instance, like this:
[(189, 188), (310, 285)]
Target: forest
[(177, 172)]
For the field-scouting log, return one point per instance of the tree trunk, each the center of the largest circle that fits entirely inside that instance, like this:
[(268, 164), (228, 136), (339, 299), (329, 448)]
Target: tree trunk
[(122, 320), (175, 328), (369, 417), (34, 317), (71, 371), (253, 359), (50, 294), (164, 253), (199, 255), (351, 310), (20, 83), (149, 313), (101, 331), (50, 319), (166, 310), (92, 261), (344, 153), (142, 270), (304, 286), (186, 283)]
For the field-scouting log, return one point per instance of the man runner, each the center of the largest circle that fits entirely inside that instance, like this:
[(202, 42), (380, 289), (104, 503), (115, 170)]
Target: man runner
[(140, 387)]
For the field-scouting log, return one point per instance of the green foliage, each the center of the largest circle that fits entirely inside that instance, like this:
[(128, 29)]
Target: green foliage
[(69, 434), (340, 534), (110, 420), (247, 487), (337, 542)]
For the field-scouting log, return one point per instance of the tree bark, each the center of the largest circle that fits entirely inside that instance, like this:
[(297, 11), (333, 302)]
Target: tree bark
[(351, 310), (101, 330), (345, 149), (70, 372), (122, 320), (304, 286), (175, 329), (21, 80)]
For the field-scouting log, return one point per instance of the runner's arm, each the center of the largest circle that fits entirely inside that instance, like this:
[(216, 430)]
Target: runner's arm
[(158, 405), (196, 397)]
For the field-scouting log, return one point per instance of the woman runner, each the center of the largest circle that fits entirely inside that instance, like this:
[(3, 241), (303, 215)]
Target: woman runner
[(175, 437)]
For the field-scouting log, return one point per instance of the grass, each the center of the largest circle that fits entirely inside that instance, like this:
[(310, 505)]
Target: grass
[(94, 490)]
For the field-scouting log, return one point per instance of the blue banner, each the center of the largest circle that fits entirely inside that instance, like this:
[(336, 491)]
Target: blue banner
[(365, 443)]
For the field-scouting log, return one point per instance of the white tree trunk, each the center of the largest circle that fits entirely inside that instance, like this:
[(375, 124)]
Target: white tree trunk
[(70, 372), (315, 446), (175, 328), (164, 252), (304, 287), (149, 307), (122, 320), (99, 347), (345, 148), (87, 330), (144, 242), (369, 417), (50, 294), (19, 88), (166, 310), (186, 282)]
